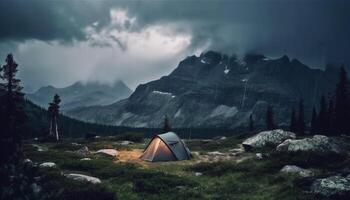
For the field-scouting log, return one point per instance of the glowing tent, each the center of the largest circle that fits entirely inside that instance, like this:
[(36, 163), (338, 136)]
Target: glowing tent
[(166, 147)]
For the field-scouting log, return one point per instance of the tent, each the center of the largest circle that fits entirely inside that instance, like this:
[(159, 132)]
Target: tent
[(166, 147)]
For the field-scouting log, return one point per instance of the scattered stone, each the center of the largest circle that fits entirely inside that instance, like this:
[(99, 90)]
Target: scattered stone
[(195, 153), (81, 177), (36, 139), (259, 156), (219, 138), (28, 161), (237, 150), (84, 159), (198, 174), (48, 164), (126, 142), (38, 147), (84, 151), (108, 152), (293, 169), (215, 153), (332, 186), (318, 143), (180, 187), (273, 137)]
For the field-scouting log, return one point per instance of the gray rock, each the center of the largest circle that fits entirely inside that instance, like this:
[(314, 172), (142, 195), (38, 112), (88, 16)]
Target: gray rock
[(215, 153), (81, 177), (293, 169), (126, 142), (259, 156), (318, 143), (38, 147), (198, 173), (108, 152), (264, 138), (331, 186), (47, 164), (85, 159), (84, 151)]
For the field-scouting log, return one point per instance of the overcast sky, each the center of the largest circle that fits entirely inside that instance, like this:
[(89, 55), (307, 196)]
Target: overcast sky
[(59, 42)]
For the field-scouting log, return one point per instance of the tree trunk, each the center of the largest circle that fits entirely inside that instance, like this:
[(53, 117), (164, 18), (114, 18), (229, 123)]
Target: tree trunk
[(50, 127), (56, 129)]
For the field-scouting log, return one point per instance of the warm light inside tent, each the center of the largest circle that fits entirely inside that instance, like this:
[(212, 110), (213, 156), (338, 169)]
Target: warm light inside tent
[(158, 150)]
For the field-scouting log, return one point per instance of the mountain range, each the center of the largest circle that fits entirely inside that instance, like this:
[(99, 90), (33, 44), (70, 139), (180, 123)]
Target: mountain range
[(81, 94), (218, 91)]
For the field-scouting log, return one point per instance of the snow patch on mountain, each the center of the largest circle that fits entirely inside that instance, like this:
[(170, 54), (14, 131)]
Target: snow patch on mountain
[(178, 113), (204, 61), (224, 111), (226, 71), (164, 93)]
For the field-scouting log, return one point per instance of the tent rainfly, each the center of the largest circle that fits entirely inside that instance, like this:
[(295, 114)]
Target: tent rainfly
[(166, 147)]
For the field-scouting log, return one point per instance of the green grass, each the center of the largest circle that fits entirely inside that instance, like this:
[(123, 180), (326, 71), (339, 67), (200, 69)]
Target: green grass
[(250, 179)]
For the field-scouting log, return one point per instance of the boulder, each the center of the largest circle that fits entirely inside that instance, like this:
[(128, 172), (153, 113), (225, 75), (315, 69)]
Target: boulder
[(81, 177), (318, 143), (198, 173), (293, 169), (108, 152), (48, 164), (84, 151), (259, 156), (38, 147), (273, 137), (334, 186)]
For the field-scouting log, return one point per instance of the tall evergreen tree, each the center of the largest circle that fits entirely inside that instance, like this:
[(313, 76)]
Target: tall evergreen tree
[(166, 126), (270, 125), (54, 111), (313, 128), (251, 123), (12, 114), (330, 115), (341, 110), (293, 122), (322, 119), (301, 119)]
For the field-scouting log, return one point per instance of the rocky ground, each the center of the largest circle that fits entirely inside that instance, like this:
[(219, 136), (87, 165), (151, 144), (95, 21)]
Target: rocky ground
[(270, 165)]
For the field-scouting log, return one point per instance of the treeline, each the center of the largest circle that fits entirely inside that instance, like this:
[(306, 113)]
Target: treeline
[(331, 117)]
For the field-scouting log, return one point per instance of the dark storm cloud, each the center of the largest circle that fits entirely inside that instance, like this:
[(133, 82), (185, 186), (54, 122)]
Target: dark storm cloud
[(316, 31), (37, 31)]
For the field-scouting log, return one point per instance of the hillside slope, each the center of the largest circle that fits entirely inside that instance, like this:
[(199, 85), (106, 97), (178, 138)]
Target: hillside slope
[(214, 90)]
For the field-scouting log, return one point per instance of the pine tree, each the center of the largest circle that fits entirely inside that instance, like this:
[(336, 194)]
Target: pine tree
[(251, 123), (301, 119), (341, 110), (270, 125), (12, 114), (330, 117), (54, 110), (313, 129), (322, 118), (293, 122), (166, 126)]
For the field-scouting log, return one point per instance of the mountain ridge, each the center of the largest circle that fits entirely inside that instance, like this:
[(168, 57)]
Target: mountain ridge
[(215, 90), (81, 94)]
